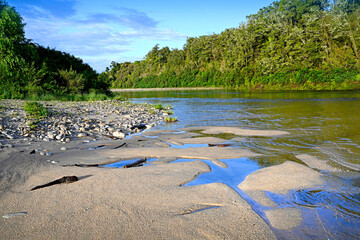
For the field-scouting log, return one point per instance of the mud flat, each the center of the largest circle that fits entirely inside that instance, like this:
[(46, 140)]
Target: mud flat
[(147, 202), (113, 203)]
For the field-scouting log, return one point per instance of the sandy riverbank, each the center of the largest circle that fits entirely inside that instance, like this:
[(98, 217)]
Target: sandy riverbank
[(146, 202)]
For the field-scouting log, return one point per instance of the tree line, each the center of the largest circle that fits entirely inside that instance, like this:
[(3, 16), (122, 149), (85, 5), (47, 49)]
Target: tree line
[(290, 44), (30, 70)]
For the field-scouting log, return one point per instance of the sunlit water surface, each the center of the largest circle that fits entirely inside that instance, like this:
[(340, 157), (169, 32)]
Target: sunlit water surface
[(321, 124)]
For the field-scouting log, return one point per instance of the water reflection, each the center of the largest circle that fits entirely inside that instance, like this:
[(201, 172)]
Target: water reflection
[(232, 176)]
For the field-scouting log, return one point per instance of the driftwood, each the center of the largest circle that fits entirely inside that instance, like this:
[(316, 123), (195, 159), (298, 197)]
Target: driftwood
[(86, 165), (122, 145), (220, 145), (137, 163), (82, 165), (66, 179)]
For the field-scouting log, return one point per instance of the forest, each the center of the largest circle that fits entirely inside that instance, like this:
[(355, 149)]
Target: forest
[(28, 70), (290, 44)]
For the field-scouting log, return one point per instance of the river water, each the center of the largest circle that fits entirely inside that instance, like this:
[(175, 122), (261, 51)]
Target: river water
[(321, 124)]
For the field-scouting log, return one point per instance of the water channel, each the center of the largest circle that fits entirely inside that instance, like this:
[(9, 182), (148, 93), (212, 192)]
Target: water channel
[(321, 124)]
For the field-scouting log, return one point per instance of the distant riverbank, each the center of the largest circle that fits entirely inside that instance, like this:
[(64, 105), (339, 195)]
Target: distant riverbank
[(162, 89)]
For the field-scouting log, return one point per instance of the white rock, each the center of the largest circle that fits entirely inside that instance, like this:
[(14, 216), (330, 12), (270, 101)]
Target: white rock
[(63, 149), (82, 135), (50, 135), (10, 136), (119, 134)]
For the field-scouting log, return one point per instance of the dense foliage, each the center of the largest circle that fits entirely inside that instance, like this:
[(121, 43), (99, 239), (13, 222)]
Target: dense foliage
[(291, 44), (29, 70)]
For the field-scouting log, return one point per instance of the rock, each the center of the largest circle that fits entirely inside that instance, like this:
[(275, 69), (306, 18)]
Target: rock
[(42, 153), (118, 134), (110, 129), (82, 135), (58, 137), (9, 136), (140, 127), (50, 135), (67, 139), (46, 139), (63, 149)]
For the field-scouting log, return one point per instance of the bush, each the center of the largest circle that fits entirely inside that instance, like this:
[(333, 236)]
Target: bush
[(35, 110), (75, 82)]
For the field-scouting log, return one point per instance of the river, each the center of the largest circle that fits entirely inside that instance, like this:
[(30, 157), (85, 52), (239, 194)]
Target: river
[(321, 124)]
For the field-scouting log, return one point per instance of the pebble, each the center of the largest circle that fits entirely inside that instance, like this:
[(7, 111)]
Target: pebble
[(67, 120), (63, 149)]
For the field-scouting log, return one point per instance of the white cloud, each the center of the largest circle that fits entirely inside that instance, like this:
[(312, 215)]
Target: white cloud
[(96, 38)]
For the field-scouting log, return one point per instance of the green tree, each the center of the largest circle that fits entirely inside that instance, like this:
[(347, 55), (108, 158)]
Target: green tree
[(74, 82)]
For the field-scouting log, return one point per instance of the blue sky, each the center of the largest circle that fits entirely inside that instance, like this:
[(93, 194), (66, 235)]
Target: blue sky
[(116, 30)]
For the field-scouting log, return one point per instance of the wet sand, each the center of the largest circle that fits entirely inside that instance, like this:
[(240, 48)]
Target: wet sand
[(146, 202)]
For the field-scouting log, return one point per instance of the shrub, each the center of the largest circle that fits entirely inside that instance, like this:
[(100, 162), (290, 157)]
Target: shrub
[(35, 110)]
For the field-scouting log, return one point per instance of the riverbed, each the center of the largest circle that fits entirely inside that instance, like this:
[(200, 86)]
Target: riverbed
[(323, 126), (234, 166)]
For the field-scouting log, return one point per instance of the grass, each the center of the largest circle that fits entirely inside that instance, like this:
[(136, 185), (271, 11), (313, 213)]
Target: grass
[(35, 110), (170, 119), (158, 106)]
